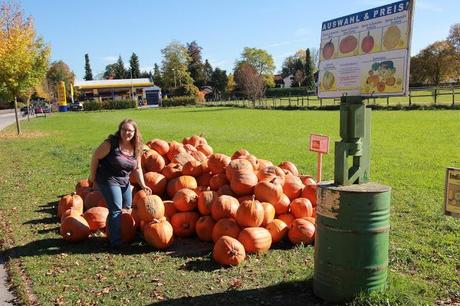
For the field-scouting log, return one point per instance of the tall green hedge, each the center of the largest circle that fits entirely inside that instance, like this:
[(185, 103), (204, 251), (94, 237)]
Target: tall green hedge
[(93, 105), (179, 101)]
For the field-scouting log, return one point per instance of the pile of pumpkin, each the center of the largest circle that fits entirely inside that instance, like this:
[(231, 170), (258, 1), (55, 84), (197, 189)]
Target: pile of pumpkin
[(241, 203)]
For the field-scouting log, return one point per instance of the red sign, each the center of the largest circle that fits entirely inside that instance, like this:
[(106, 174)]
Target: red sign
[(319, 143)]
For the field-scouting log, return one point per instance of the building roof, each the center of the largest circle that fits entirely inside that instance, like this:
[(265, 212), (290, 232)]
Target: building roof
[(145, 82)]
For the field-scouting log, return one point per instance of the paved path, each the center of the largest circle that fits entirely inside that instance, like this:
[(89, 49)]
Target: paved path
[(6, 297)]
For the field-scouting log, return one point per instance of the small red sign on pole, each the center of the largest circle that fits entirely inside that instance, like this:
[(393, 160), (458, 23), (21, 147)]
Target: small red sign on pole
[(319, 144)]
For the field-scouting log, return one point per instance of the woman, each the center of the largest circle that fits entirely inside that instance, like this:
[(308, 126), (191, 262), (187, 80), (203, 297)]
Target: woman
[(111, 165)]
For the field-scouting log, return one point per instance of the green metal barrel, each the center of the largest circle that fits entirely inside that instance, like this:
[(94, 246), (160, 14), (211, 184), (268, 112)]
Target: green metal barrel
[(351, 243)]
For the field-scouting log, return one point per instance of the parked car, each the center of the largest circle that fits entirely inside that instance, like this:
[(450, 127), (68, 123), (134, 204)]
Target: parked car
[(41, 109)]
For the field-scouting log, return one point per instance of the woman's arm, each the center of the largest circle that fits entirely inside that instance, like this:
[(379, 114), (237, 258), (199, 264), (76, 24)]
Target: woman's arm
[(140, 177), (102, 151)]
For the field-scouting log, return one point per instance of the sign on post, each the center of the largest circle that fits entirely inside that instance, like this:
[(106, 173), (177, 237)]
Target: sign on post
[(367, 53), (319, 144), (452, 193)]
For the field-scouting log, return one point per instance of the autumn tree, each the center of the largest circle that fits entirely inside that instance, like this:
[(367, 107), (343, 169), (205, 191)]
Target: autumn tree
[(196, 66), (134, 69), (176, 76), (305, 60), (435, 64), (23, 55), (249, 81), (59, 71), (261, 61), (231, 85), (454, 36), (207, 72), (88, 71)]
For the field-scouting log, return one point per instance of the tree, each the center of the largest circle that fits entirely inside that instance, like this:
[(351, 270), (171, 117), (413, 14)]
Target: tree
[(88, 72), (135, 71), (454, 36), (207, 72), (219, 81), (309, 70), (176, 76), (231, 85), (249, 81), (120, 71), (291, 65), (59, 71), (23, 56), (435, 64), (261, 61), (109, 72), (196, 67), (157, 79)]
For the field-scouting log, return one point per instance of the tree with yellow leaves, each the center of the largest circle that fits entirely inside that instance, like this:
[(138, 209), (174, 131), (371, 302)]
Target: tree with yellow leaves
[(23, 56)]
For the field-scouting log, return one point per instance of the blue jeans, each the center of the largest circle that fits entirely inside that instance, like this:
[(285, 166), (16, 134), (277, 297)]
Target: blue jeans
[(116, 197)]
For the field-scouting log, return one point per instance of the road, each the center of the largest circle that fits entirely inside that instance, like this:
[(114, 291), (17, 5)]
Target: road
[(6, 297)]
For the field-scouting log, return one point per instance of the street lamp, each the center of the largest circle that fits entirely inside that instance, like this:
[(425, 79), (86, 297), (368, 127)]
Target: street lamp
[(174, 71)]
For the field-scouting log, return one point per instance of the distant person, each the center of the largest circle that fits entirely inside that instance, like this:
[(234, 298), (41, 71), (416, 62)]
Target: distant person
[(111, 165)]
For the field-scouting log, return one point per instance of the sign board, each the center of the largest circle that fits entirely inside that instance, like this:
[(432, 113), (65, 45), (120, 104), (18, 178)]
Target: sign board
[(62, 100), (452, 193), (367, 53), (319, 143)]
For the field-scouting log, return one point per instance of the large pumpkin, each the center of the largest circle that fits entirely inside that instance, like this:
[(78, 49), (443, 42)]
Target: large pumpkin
[(205, 200), (172, 170), (301, 207), (286, 218), (185, 181), (217, 163), (217, 181), (185, 200), (82, 188), (205, 149), (250, 213), (283, 205), (96, 217), (159, 234), (159, 145), (292, 186), (225, 227), (255, 239), (94, 198), (278, 230), (74, 228), (269, 191), (301, 230), (269, 213), (151, 207), (269, 172), (243, 182), (151, 161), (228, 251), (156, 181), (192, 168), (204, 227), (237, 165), (287, 165), (170, 209), (224, 207), (184, 223)]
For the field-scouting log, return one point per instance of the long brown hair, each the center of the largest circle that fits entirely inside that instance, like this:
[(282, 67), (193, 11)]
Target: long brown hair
[(136, 141)]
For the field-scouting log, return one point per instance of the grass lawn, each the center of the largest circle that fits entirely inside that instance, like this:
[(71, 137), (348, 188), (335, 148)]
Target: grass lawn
[(410, 152)]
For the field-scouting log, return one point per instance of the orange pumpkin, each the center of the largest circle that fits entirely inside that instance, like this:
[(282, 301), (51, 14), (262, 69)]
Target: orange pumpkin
[(292, 186), (94, 198), (228, 251), (174, 149), (226, 190), (278, 230), (255, 239), (269, 191), (263, 163), (286, 218), (156, 181), (128, 227), (224, 207), (243, 182), (250, 213), (287, 165), (185, 181), (192, 168), (184, 223), (301, 230), (283, 205), (172, 170), (204, 179), (205, 149), (185, 200), (182, 158), (74, 228), (170, 209), (204, 227), (151, 207), (309, 192), (151, 161), (96, 217), (138, 196), (159, 234), (82, 188), (159, 145), (69, 201), (217, 163), (225, 227), (269, 213), (241, 152), (70, 212), (237, 165), (205, 200), (268, 173), (301, 207), (217, 181)]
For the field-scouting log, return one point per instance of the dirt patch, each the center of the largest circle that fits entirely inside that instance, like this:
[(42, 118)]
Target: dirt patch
[(24, 135)]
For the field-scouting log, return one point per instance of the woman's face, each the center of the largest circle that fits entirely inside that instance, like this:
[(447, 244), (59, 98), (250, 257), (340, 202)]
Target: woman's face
[(127, 132)]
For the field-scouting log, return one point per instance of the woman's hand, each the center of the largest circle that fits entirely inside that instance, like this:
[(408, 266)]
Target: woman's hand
[(147, 190)]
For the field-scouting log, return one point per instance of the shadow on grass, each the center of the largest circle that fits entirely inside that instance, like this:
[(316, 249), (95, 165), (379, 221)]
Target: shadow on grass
[(286, 293)]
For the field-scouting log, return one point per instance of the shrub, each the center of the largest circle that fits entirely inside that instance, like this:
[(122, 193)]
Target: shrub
[(286, 92), (93, 105), (180, 101)]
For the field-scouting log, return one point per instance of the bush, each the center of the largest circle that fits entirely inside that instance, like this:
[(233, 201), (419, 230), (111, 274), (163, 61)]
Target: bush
[(93, 105), (286, 92), (180, 101)]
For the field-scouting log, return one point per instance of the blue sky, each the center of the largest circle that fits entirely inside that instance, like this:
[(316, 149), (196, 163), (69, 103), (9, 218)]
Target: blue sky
[(106, 29)]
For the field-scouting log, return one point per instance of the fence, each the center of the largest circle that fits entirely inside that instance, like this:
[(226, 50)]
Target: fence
[(446, 96)]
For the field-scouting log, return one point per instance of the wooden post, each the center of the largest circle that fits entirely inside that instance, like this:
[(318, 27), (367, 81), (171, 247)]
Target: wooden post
[(18, 127), (410, 98), (28, 109), (308, 99), (453, 95), (388, 101), (435, 95)]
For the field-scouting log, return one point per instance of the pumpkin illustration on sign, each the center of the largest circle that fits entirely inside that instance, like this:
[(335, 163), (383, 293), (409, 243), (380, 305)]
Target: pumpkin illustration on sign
[(328, 50), (391, 37), (367, 43), (328, 80), (348, 44), (382, 75)]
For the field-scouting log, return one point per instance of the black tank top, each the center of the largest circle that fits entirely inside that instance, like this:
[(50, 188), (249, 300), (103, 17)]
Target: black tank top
[(115, 168)]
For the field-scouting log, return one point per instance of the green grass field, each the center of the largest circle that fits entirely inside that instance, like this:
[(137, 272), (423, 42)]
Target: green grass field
[(410, 152)]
